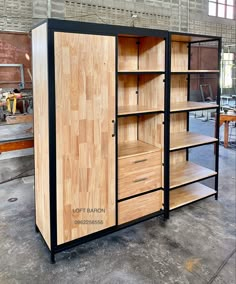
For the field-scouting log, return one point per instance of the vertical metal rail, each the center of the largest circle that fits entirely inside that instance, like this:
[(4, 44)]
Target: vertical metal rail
[(188, 92), (116, 128), (52, 144), (167, 127), (217, 122)]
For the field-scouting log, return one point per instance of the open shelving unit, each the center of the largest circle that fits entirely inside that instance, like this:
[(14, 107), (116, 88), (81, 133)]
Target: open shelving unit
[(185, 176)]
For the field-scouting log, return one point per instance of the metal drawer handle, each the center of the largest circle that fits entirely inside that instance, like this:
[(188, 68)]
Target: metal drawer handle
[(141, 179), (140, 161)]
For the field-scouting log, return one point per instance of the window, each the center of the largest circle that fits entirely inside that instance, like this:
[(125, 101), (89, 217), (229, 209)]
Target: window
[(222, 8)]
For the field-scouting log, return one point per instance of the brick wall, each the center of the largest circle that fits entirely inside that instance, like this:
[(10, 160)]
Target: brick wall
[(176, 15)]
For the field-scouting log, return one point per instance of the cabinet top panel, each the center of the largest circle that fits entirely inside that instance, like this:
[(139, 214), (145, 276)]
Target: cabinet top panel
[(181, 37), (102, 29)]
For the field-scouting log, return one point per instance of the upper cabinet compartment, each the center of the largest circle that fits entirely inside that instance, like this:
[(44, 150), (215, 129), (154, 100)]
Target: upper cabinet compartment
[(141, 54), (187, 54)]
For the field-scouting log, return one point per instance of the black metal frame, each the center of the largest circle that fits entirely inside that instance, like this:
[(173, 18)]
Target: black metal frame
[(217, 108), (53, 26)]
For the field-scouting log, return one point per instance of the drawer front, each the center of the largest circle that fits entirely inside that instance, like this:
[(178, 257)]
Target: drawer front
[(139, 174), (140, 206), (139, 181), (132, 164)]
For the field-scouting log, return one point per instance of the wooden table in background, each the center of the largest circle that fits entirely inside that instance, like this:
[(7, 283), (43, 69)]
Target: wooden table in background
[(226, 118)]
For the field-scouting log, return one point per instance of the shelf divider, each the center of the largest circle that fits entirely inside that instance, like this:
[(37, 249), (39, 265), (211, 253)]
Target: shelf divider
[(187, 172), (136, 109), (134, 148), (187, 139), (190, 106), (188, 194)]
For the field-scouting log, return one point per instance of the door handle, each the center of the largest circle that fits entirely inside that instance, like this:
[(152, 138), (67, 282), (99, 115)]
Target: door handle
[(114, 128)]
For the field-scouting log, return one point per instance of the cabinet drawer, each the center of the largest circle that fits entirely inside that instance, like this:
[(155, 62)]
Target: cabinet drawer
[(139, 174), (138, 181), (140, 206), (132, 164)]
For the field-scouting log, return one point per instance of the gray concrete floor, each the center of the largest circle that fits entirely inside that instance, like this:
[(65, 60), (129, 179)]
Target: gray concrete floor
[(189, 248)]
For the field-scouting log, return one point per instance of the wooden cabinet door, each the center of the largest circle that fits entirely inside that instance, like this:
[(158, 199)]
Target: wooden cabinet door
[(85, 147)]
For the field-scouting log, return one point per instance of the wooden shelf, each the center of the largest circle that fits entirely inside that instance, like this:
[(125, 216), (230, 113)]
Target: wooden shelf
[(194, 71), (187, 172), (188, 194), (182, 140), (141, 72), (136, 109), (188, 106), (134, 148)]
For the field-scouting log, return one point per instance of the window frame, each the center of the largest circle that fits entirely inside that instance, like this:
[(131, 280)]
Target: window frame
[(225, 9)]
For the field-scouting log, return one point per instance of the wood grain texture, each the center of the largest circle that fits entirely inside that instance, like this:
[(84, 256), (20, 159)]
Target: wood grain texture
[(143, 53), (150, 97), (150, 129), (179, 89), (41, 140), (195, 71), (135, 109), (189, 193), (178, 122), (181, 106), (85, 150), (187, 38), (179, 56), (127, 90), (186, 172), (127, 53), (151, 91), (187, 139), (134, 148), (151, 53), (139, 174), (177, 157), (139, 206), (127, 129)]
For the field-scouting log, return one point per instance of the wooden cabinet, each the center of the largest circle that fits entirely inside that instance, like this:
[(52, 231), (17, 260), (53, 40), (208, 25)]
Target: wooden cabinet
[(111, 127)]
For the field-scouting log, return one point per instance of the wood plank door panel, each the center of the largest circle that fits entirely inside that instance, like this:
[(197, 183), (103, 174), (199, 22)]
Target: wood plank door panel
[(85, 148)]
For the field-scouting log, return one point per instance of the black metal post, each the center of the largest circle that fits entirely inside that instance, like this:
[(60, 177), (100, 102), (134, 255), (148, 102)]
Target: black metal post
[(167, 127), (52, 144), (188, 92), (217, 122)]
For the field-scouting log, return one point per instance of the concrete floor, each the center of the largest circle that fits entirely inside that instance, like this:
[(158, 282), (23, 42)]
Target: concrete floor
[(189, 248)]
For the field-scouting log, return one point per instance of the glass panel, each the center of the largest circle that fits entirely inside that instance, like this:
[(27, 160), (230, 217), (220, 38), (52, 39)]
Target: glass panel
[(221, 1), (230, 12), (230, 2), (212, 9), (221, 11)]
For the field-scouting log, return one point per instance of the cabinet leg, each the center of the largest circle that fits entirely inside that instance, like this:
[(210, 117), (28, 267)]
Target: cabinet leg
[(216, 196), (53, 258), (36, 229), (166, 216)]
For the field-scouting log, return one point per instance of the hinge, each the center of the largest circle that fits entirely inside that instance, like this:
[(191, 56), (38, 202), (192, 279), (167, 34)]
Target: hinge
[(164, 80), (136, 92), (163, 122), (163, 164), (137, 42)]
